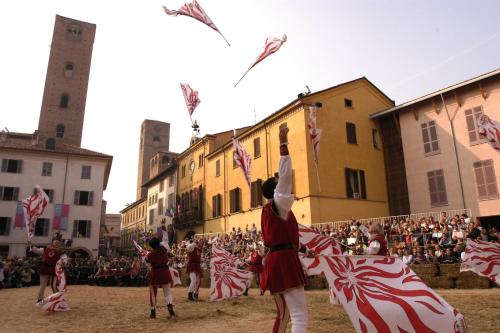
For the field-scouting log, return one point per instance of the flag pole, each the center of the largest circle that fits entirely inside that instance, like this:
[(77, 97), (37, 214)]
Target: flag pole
[(242, 77), (224, 38)]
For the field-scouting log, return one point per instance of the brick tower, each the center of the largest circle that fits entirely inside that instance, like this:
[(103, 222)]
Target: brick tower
[(155, 137), (65, 93)]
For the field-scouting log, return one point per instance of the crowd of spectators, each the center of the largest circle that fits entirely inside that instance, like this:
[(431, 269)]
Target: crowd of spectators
[(423, 241)]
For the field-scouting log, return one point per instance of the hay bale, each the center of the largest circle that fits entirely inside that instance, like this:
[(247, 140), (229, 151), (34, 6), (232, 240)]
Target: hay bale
[(314, 282), (450, 270), (441, 282), (470, 280)]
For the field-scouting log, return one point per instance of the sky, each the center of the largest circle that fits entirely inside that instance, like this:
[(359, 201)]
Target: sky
[(140, 55)]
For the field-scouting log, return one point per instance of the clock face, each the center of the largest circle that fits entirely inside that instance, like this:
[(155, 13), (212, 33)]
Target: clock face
[(191, 166)]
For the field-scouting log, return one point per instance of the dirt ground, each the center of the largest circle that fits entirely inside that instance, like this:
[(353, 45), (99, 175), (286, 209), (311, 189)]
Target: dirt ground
[(114, 309)]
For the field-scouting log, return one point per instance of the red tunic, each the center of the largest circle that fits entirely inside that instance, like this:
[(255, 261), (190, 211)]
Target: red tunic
[(282, 269), (50, 257), (194, 261), (160, 273), (255, 263), (383, 245)]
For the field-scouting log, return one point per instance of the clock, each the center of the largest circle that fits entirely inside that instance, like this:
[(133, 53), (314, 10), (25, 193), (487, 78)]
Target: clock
[(191, 166)]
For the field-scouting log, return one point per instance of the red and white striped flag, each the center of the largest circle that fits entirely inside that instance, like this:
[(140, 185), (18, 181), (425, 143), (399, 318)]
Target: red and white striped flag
[(490, 130), (226, 281), (314, 132), (142, 253), (382, 294), (483, 258), (320, 244), (195, 11), (191, 97), (272, 45), (57, 301), (243, 160), (33, 207)]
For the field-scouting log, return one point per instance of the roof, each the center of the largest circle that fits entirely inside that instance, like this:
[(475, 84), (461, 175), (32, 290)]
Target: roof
[(13, 141), (132, 205), (436, 93), (161, 175)]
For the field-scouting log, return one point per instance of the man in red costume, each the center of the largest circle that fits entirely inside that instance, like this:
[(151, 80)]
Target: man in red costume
[(50, 255), (377, 245), (159, 276), (283, 275), (255, 266), (193, 269)]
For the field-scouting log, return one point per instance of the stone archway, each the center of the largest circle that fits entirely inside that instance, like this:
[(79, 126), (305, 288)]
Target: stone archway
[(80, 252)]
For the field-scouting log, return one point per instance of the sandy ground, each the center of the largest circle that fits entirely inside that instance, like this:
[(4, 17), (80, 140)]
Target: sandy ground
[(114, 309)]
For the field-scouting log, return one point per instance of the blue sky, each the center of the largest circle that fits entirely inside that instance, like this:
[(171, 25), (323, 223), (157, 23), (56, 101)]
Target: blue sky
[(406, 48)]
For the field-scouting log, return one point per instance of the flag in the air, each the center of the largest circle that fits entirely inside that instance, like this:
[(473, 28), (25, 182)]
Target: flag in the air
[(226, 281), (483, 258), (176, 277), (320, 244), (191, 97), (142, 253), (33, 207), (243, 160), (382, 294), (314, 132), (272, 45), (57, 301), (195, 11), (490, 130)]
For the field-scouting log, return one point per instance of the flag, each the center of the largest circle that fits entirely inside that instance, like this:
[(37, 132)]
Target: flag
[(272, 45), (483, 258), (226, 281), (320, 244), (490, 130), (142, 253), (57, 301), (19, 221), (314, 132), (33, 207), (176, 277), (243, 160), (381, 294), (61, 213), (195, 11), (191, 97)]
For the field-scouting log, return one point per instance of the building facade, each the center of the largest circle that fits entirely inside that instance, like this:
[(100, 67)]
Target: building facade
[(351, 164), (448, 164), (133, 224), (109, 235)]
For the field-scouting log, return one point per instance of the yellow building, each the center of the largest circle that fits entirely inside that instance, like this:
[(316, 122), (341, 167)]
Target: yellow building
[(133, 222), (351, 163)]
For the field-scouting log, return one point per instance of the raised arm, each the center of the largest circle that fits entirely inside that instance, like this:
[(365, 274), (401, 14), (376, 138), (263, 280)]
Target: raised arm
[(283, 197)]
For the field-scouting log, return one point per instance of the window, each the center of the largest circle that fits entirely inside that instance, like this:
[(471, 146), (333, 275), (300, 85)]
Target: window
[(47, 169), (351, 133), (84, 198), (485, 180), (217, 168), (162, 185), (12, 166), (256, 193), (60, 131), (68, 70), (151, 216), (4, 251), (64, 101), (217, 205), (50, 144), (375, 139), (9, 193), (183, 172), (429, 137), (42, 227), (156, 141), (235, 200), (156, 198), (50, 193), (256, 147), (160, 206), (437, 188), (4, 226), (81, 228), (74, 32), (86, 171), (347, 103), (170, 203), (471, 117), (355, 183), (170, 180), (200, 160), (185, 202)]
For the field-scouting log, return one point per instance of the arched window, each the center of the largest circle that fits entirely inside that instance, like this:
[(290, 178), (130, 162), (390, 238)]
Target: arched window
[(60, 131), (68, 70), (64, 101), (50, 144), (165, 160), (156, 141)]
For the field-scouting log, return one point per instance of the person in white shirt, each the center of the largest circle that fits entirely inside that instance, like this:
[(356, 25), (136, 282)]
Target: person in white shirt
[(377, 244)]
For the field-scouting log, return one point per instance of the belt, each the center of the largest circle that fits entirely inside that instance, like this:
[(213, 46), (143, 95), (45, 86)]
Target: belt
[(280, 247), (160, 267)]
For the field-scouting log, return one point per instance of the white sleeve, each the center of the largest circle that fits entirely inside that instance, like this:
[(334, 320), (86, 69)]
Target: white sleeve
[(373, 248), (283, 197), (365, 231), (37, 250), (190, 247)]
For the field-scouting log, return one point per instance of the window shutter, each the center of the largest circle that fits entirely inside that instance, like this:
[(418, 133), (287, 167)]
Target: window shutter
[(75, 228), (214, 207), (480, 180), (15, 193), (88, 228), (258, 200), (237, 195), (441, 188), (19, 166), (471, 126), (46, 223), (231, 201), (491, 181), (252, 194), (348, 132), (363, 185), (1, 192), (91, 198), (4, 164), (348, 188), (433, 136), (426, 139), (77, 198), (7, 226), (219, 204)]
